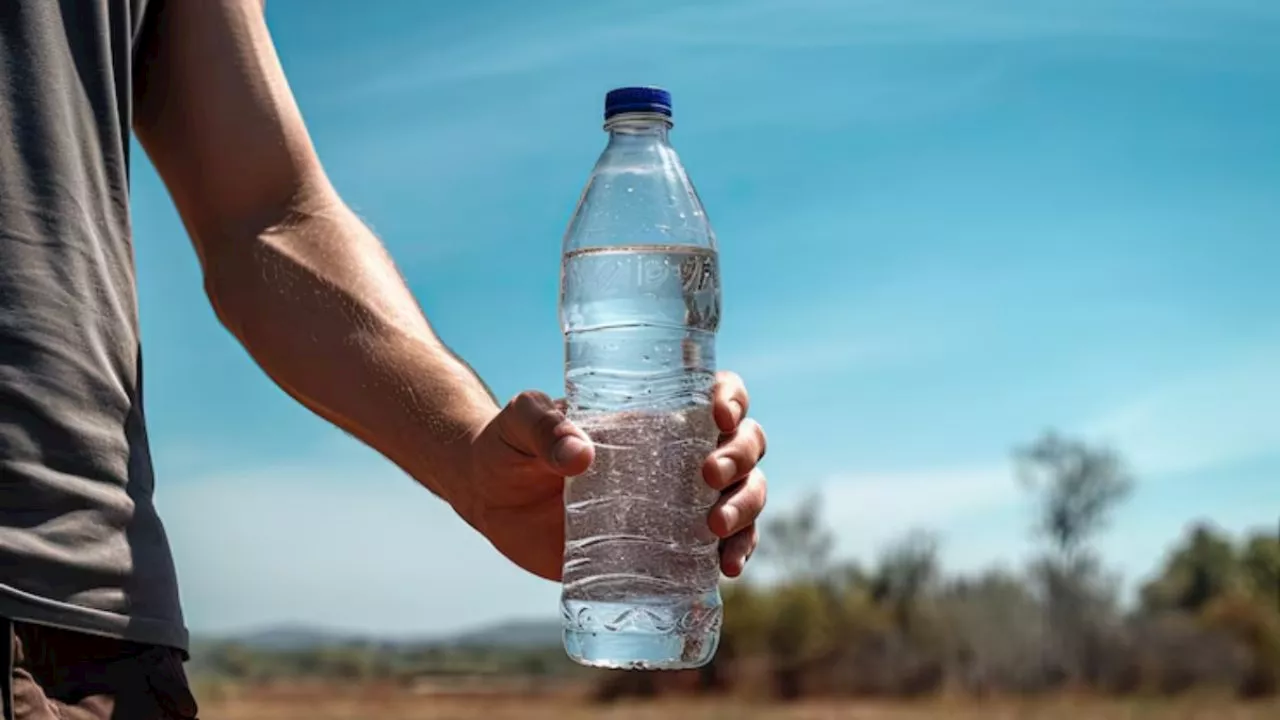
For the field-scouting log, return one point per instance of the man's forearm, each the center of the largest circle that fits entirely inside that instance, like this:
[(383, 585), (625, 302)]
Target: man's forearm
[(320, 306)]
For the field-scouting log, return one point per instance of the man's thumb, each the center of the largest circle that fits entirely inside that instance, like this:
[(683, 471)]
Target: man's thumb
[(571, 455), (534, 425)]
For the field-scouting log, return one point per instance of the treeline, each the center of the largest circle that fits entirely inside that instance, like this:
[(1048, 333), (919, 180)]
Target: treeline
[(367, 661), (902, 627)]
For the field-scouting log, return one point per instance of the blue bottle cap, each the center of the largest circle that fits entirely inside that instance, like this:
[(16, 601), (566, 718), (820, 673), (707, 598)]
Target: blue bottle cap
[(637, 99)]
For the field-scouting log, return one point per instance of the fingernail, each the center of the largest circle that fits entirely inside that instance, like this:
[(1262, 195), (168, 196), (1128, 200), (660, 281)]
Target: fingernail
[(726, 468), (569, 447), (735, 408), (731, 516)]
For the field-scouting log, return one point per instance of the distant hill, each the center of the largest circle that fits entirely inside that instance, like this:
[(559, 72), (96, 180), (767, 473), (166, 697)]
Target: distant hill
[(287, 638), (513, 634), (295, 637)]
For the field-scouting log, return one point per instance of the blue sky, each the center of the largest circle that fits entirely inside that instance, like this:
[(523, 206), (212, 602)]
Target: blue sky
[(943, 227)]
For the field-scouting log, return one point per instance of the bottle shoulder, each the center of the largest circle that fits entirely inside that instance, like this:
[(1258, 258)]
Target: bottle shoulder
[(639, 194)]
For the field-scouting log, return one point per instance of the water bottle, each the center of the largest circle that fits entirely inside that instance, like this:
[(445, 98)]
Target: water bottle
[(640, 306)]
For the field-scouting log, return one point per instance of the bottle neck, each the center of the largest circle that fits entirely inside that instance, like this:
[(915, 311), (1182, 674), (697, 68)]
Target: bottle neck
[(638, 126)]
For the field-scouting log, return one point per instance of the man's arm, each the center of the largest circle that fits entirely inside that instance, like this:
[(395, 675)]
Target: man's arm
[(290, 270), (316, 301)]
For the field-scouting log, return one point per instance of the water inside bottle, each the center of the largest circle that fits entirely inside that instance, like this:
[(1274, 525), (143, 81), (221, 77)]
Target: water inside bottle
[(641, 565)]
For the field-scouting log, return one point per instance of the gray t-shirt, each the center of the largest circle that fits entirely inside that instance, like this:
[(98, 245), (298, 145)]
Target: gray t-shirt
[(81, 546)]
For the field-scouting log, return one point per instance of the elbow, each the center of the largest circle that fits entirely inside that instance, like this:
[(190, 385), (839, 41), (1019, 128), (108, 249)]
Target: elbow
[(253, 264), (224, 296), (231, 254)]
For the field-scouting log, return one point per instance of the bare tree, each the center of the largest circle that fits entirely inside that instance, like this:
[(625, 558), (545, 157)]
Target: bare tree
[(1077, 488)]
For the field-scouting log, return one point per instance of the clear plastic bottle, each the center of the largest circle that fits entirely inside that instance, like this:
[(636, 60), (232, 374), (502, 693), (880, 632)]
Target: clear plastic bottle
[(640, 306)]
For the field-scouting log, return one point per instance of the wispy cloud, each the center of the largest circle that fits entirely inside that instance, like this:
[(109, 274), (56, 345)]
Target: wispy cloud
[(809, 23), (873, 507), (349, 544), (779, 358), (867, 510), (567, 36), (1226, 414), (1223, 415)]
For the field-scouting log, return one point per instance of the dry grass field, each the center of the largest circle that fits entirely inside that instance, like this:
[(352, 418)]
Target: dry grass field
[(388, 704)]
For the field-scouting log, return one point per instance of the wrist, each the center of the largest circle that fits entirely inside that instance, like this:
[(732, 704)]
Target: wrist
[(459, 480)]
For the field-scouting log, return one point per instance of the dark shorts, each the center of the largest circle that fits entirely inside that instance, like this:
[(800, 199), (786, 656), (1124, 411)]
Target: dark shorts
[(56, 674)]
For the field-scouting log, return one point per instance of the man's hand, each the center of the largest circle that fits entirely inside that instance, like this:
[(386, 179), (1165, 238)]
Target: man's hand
[(522, 456)]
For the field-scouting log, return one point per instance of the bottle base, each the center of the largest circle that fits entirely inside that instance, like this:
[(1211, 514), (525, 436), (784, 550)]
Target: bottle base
[(667, 635)]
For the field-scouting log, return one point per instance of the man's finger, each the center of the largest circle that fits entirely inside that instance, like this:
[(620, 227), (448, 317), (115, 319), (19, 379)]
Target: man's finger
[(739, 506), (729, 401), (735, 551), (533, 426), (736, 456)]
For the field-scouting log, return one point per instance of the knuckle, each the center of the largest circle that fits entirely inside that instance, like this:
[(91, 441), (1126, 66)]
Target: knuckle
[(548, 423), (739, 385), (729, 384), (741, 454), (755, 437), (530, 399), (759, 489)]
